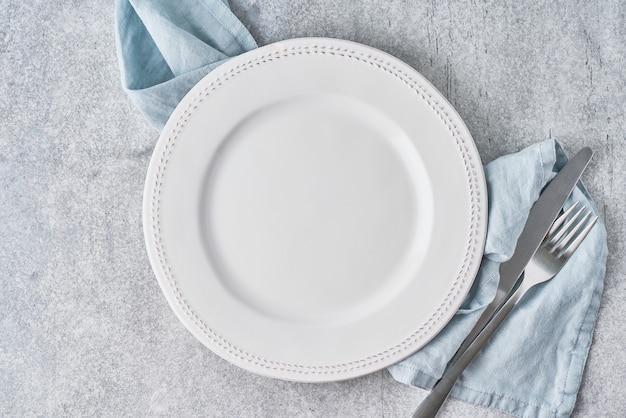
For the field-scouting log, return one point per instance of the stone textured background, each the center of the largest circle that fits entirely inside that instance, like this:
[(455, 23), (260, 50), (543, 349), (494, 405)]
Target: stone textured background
[(84, 328)]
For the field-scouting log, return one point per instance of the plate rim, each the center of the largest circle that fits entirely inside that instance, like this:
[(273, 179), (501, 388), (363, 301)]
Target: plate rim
[(331, 372)]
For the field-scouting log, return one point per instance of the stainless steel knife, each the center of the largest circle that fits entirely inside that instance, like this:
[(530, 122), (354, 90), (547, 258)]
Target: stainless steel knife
[(540, 218)]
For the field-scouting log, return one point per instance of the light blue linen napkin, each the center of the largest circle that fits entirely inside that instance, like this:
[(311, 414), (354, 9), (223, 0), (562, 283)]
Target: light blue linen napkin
[(165, 47), (533, 366)]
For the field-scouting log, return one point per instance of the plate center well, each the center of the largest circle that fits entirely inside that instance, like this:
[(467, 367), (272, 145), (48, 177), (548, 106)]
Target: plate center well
[(316, 209)]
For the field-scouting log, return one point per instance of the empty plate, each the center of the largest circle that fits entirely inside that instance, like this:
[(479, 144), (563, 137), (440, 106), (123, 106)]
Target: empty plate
[(315, 210)]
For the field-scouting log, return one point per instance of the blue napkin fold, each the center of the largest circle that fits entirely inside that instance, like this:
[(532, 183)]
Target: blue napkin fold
[(533, 366), (165, 47)]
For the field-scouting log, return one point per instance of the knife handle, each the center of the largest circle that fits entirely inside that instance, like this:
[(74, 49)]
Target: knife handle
[(433, 402)]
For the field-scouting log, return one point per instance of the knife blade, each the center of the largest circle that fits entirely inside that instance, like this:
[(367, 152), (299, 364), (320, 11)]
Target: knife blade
[(540, 218)]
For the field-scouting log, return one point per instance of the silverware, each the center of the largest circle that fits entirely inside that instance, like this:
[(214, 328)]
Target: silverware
[(563, 238), (541, 216)]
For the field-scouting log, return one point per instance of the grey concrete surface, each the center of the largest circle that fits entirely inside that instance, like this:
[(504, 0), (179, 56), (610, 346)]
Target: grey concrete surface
[(84, 328)]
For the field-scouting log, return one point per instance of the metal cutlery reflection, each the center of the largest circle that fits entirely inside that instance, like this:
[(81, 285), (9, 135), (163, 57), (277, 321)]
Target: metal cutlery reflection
[(563, 238), (542, 215)]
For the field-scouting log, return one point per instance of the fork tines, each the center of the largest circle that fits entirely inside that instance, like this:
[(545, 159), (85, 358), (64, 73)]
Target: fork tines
[(568, 232)]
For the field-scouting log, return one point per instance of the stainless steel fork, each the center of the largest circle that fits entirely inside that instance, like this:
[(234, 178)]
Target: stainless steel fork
[(563, 238)]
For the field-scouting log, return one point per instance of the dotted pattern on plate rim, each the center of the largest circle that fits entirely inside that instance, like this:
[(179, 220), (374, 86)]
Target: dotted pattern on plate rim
[(472, 239)]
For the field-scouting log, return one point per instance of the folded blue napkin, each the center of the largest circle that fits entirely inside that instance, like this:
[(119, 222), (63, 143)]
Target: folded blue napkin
[(533, 365), (165, 47)]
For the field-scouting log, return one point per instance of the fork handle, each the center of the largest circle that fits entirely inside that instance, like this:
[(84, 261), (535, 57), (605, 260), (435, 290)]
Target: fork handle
[(433, 402)]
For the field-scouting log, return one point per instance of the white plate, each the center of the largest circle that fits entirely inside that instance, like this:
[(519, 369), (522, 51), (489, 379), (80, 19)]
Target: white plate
[(315, 210)]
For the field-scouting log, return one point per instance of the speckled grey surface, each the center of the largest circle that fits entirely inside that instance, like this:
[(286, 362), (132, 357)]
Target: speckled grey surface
[(84, 328)]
